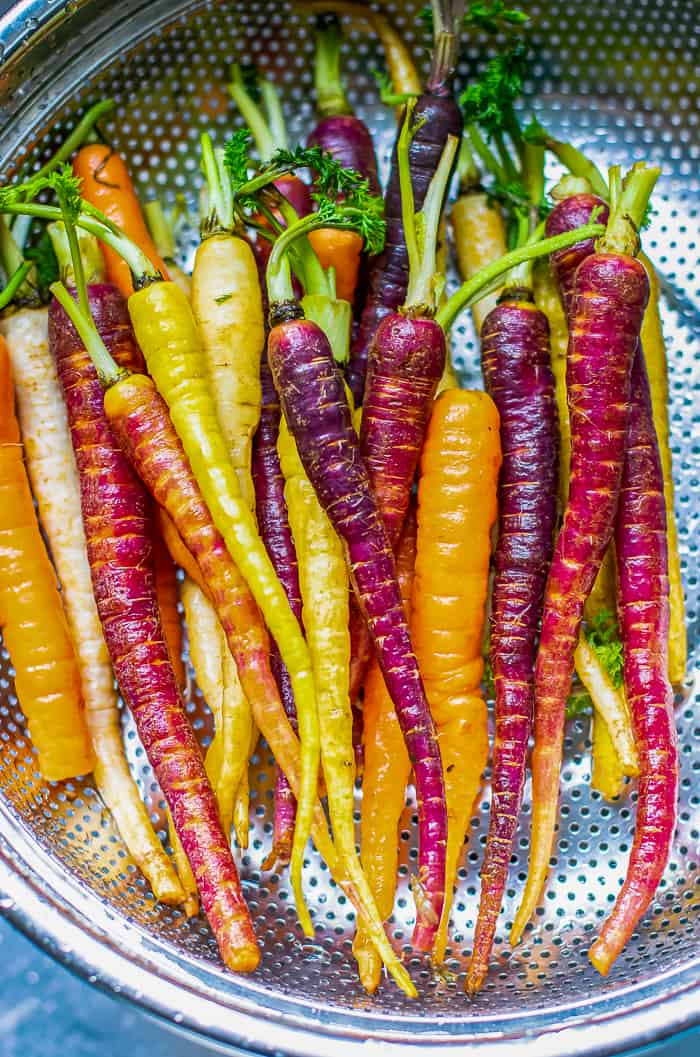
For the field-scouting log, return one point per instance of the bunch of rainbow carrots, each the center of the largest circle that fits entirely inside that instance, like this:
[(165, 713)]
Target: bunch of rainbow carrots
[(284, 426)]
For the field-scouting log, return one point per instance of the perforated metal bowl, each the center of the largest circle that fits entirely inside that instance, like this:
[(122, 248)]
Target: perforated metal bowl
[(622, 81)]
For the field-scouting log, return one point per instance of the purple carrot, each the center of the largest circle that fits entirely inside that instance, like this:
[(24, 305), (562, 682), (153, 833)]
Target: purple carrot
[(439, 117), (339, 131), (116, 518), (276, 534), (642, 568), (515, 359), (611, 289), (316, 409), (568, 214)]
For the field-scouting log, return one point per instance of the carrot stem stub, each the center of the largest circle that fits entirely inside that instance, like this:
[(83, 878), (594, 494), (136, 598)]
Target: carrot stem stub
[(313, 399)]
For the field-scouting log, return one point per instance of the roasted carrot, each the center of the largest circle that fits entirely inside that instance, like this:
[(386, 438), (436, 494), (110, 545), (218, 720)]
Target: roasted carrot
[(34, 626), (610, 294), (106, 184), (387, 769), (641, 543), (457, 491)]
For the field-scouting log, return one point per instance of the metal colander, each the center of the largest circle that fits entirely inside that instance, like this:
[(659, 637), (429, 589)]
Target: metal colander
[(622, 81)]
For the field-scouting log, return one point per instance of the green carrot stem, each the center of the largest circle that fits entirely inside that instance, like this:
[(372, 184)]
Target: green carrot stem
[(252, 115), (275, 115), (468, 172), (160, 229), (279, 281), (614, 186), (89, 249), (141, 268), (408, 211), (447, 18), (21, 226), (421, 292), (14, 284), (621, 235), (328, 84), (486, 156), (504, 154), (578, 165), (219, 218), (335, 320), (469, 290), (313, 277), (107, 370)]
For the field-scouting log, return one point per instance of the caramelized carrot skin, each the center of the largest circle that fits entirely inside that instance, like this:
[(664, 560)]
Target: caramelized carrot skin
[(517, 371), (116, 515), (643, 591), (107, 185)]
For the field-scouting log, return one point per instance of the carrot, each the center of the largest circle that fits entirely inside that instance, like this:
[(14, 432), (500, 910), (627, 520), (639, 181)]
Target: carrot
[(324, 585), (456, 510), (640, 539), (516, 365), (478, 229), (115, 511), (217, 676), (178, 551), (657, 370), (610, 294), (387, 770), (34, 627), (167, 594), (227, 306), (437, 117), (54, 478), (162, 231), (607, 774), (106, 184), (273, 522)]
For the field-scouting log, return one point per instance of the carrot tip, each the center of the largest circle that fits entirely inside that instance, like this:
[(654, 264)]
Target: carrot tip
[(601, 957), (244, 959), (191, 906)]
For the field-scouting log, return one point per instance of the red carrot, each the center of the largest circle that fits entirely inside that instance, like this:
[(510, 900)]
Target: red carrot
[(610, 294), (115, 514), (273, 524), (642, 566), (568, 214), (516, 363)]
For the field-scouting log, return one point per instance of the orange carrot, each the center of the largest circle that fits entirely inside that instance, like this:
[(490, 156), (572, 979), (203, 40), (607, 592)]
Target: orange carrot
[(34, 626), (167, 594), (387, 769), (340, 250), (106, 184), (456, 510)]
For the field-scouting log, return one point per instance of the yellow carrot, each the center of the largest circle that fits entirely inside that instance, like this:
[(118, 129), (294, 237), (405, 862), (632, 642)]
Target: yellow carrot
[(479, 238), (457, 505), (657, 370), (607, 774), (323, 578), (227, 305)]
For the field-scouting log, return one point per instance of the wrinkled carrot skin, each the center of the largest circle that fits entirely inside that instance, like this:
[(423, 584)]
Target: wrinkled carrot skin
[(405, 364), (140, 422), (34, 626), (610, 296), (107, 185), (641, 547), (518, 375), (457, 508), (116, 513), (567, 215), (273, 523), (167, 594), (387, 770), (313, 399)]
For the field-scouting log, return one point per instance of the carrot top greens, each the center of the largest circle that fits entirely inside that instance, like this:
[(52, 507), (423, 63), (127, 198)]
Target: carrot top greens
[(259, 103), (328, 83)]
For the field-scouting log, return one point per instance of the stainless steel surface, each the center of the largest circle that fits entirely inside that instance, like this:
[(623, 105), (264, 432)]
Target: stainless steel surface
[(623, 84)]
